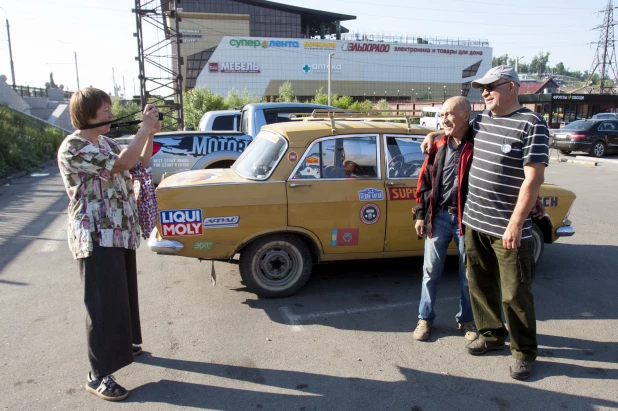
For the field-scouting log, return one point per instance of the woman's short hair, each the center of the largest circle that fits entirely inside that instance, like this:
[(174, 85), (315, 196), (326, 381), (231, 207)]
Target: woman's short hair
[(84, 105)]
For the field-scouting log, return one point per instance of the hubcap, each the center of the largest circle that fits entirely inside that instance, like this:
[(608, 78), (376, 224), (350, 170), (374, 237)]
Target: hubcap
[(598, 149), (275, 265)]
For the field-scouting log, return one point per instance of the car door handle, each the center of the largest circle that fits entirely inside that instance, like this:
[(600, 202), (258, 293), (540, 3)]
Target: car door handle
[(392, 183), (294, 185)]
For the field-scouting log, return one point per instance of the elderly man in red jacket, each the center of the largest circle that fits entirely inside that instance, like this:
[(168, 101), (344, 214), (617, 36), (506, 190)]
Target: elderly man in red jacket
[(440, 196)]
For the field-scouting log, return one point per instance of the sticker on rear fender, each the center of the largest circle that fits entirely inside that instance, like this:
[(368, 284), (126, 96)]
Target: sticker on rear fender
[(221, 222), (176, 223)]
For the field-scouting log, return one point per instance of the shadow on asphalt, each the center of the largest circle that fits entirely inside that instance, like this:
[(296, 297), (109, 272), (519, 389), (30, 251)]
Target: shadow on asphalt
[(21, 200), (416, 391)]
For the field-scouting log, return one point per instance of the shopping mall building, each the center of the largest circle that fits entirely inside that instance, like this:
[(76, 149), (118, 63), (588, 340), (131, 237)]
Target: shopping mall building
[(258, 45)]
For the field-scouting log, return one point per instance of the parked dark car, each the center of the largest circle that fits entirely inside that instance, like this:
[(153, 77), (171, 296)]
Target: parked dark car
[(605, 116), (594, 137)]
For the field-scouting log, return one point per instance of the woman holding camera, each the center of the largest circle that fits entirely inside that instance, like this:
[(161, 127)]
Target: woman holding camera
[(103, 232)]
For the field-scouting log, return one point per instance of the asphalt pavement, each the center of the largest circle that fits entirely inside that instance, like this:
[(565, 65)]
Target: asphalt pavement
[(343, 343)]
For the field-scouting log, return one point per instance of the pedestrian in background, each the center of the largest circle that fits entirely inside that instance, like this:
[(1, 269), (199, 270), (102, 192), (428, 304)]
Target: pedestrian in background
[(103, 232)]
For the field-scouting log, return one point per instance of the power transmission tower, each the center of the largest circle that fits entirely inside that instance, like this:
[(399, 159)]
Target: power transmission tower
[(605, 57), (164, 90)]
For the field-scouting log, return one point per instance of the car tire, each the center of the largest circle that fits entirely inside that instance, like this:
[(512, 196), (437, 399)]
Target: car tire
[(565, 152), (598, 149), (539, 242), (276, 266)]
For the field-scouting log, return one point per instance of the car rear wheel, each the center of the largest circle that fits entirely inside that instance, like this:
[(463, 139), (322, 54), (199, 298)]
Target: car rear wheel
[(539, 242), (565, 152), (598, 149), (275, 266)]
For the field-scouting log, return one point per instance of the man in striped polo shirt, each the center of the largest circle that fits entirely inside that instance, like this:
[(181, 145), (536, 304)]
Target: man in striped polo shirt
[(510, 155)]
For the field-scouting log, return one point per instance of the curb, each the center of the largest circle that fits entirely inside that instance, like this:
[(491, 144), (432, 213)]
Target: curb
[(22, 174), (586, 162), (600, 160)]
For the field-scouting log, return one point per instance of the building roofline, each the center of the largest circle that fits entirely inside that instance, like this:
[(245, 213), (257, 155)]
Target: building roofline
[(305, 12)]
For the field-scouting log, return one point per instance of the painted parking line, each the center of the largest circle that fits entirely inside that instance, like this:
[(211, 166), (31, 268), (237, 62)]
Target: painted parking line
[(295, 321)]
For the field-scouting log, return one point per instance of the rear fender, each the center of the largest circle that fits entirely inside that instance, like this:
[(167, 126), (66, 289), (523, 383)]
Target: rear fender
[(312, 241), (545, 225)]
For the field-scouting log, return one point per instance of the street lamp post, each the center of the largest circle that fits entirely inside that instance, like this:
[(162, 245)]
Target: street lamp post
[(411, 94), (444, 99), (374, 97), (330, 56), (8, 33), (428, 93), (397, 95)]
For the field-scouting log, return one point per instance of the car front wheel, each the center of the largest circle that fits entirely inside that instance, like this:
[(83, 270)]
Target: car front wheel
[(598, 149), (539, 242), (275, 266)]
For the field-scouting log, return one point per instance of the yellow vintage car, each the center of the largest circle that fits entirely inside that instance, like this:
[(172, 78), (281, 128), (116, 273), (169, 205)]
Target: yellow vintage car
[(311, 191)]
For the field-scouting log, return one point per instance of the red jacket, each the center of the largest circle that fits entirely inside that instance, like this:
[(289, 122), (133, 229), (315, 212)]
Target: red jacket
[(430, 176)]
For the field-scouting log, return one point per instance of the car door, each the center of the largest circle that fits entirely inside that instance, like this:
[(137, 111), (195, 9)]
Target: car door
[(403, 164), (611, 131), (337, 193)]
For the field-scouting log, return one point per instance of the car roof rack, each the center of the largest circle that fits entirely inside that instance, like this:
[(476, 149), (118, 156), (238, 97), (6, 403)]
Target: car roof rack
[(363, 115)]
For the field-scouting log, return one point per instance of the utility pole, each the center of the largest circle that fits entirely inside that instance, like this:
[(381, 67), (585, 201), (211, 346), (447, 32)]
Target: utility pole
[(76, 72), (330, 57), (517, 63), (114, 80), (8, 33), (605, 56)]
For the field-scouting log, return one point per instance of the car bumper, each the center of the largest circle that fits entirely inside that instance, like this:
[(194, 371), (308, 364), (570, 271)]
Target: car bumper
[(162, 246), (565, 230), (568, 145)]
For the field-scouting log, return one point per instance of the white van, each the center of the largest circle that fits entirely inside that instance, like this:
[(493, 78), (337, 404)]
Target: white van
[(430, 117)]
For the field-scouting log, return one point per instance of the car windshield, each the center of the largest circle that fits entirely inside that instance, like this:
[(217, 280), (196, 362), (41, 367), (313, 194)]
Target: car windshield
[(261, 157), (579, 125)]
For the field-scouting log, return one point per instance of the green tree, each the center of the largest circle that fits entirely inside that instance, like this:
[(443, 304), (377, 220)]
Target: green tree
[(286, 93), (320, 97), (236, 101), (343, 102), (122, 108), (539, 63), (559, 69), (198, 101), (382, 105), (361, 105), (500, 60)]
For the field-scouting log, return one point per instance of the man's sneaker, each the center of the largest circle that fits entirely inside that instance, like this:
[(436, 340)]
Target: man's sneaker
[(137, 350), (521, 369), (421, 333), (470, 331), (106, 388), (480, 346)]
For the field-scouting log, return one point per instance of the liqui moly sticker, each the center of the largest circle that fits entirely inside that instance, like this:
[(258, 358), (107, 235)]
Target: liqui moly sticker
[(175, 223)]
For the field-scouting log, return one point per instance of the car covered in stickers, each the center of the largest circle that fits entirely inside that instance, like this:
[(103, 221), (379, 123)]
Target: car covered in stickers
[(309, 191)]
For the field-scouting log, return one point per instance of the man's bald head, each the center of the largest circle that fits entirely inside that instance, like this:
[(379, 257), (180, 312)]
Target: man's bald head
[(455, 115)]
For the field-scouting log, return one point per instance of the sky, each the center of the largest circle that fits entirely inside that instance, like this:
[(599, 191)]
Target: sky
[(46, 34)]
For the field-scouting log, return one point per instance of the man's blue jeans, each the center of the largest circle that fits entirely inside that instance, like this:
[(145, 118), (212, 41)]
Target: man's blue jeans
[(445, 228)]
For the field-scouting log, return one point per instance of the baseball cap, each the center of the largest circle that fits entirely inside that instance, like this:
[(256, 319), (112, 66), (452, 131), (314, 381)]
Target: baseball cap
[(497, 73)]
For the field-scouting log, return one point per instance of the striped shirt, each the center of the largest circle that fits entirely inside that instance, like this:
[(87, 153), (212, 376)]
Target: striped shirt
[(502, 146)]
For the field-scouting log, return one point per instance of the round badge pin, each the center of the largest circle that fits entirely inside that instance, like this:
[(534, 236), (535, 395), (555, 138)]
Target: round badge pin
[(370, 213), (506, 148), (293, 157)]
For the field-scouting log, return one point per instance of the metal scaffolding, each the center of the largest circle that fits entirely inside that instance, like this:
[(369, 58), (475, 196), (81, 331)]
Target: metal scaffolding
[(605, 56), (164, 90)]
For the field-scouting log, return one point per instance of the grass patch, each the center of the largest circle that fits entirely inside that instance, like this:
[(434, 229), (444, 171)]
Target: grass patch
[(25, 143)]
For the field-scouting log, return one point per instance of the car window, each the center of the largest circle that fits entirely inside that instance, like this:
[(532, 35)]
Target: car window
[(404, 158), (260, 158), (223, 123), (608, 126), (579, 125), (340, 158)]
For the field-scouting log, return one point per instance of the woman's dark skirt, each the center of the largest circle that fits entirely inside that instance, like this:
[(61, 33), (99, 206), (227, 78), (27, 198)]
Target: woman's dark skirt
[(109, 276)]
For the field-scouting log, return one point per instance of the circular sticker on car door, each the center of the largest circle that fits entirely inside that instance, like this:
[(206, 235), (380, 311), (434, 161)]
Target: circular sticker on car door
[(370, 213)]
